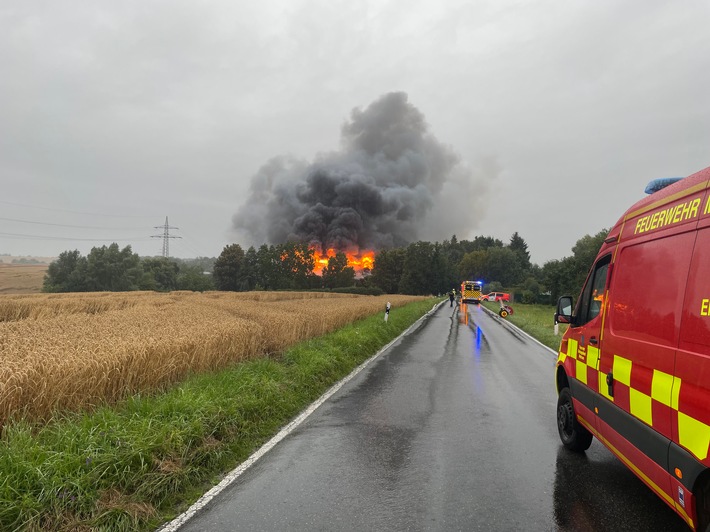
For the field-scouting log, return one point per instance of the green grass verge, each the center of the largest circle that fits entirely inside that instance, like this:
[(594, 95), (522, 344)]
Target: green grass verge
[(141, 463), (536, 320)]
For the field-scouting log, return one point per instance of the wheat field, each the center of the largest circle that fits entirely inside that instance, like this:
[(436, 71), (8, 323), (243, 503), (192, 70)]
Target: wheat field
[(67, 352), (21, 278)]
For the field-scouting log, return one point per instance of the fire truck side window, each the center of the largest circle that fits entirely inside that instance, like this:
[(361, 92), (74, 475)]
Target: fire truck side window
[(593, 296)]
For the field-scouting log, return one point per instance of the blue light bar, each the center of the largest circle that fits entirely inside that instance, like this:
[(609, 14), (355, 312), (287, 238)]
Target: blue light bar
[(661, 183)]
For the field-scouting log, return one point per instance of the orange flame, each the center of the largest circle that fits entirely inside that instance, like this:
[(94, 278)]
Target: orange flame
[(358, 260)]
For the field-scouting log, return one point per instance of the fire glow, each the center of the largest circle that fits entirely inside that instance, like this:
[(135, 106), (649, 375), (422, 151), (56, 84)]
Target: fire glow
[(358, 260)]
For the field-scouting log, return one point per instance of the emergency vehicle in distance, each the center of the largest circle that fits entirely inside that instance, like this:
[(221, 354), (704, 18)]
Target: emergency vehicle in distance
[(496, 296), (634, 368), (471, 292)]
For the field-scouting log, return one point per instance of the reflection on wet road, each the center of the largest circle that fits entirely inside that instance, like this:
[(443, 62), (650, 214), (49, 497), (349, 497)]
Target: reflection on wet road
[(452, 429)]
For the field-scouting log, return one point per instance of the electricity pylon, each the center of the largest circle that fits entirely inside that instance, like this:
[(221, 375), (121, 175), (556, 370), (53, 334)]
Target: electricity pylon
[(166, 236)]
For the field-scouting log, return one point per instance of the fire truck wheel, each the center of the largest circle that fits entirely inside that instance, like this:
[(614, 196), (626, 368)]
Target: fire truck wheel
[(503, 313), (573, 435), (703, 502)]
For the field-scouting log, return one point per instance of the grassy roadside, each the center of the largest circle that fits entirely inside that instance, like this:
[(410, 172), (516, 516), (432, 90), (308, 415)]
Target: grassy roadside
[(536, 320), (137, 465)]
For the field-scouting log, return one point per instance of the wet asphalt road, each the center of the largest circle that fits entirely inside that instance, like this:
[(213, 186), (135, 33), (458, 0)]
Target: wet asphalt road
[(453, 428)]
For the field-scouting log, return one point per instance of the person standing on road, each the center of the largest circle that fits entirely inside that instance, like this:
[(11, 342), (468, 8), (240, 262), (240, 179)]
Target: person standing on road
[(452, 296)]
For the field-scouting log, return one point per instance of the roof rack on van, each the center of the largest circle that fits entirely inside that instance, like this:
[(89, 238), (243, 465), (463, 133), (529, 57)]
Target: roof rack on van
[(661, 183)]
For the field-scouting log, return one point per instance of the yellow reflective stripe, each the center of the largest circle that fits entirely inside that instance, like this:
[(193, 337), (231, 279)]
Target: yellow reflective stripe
[(592, 357), (693, 435), (684, 514), (572, 348), (581, 372), (675, 393), (622, 370), (640, 404), (661, 386)]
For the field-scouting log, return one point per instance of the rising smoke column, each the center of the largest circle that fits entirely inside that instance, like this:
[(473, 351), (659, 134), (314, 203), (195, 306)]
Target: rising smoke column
[(383, 188)]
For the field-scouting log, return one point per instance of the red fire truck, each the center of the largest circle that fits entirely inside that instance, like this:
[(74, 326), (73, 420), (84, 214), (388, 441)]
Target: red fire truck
[(634, 365)]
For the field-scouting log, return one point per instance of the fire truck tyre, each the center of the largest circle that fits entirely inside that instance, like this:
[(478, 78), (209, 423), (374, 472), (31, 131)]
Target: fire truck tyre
[(703, 503), (503, 313), (573, 435)]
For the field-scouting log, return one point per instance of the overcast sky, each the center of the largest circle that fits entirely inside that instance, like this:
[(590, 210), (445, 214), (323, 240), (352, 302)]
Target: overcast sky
[(116, 115)]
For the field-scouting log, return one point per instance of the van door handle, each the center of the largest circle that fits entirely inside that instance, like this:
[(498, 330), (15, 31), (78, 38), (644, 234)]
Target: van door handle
[(610, 384), (593, 340)]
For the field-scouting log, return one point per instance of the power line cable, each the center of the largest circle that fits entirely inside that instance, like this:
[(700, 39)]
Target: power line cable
[(192, 251), (74, 212), (190, 247), (74, 226), (188, 241), (44, 237)]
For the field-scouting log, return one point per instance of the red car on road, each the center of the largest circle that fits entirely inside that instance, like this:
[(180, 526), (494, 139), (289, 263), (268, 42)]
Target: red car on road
[(496, 296)]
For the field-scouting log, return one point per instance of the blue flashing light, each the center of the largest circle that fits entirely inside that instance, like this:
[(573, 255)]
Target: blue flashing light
[(660, 184)]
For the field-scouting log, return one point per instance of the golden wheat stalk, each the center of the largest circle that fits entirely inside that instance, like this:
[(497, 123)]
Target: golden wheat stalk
[(74, 351)]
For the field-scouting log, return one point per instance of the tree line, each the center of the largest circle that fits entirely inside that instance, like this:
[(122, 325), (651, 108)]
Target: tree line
[(424, 267), (288, 266), (421, 268), (108, 268)]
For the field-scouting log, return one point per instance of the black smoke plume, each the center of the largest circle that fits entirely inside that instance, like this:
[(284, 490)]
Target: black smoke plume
[(391, 183)]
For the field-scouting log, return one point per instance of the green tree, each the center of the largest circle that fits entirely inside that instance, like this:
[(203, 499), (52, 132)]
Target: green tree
[(112, 269), (66, 274), (195, 279), (417, 273), (531, 290), (438, 279), (298, 262), (387, 269), (520, 248), (206, 264), (493, 286), (481, 243), (162, 274), (249, 278), (585, 251), (559, 277), (228, 268), (338, 274), (493, 264), (503, 264), (452, 252), (269, 268), (567, 275), (473, 266)]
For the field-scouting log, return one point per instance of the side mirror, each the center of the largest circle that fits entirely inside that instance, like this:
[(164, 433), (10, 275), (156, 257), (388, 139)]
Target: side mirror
[(563, 314)]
